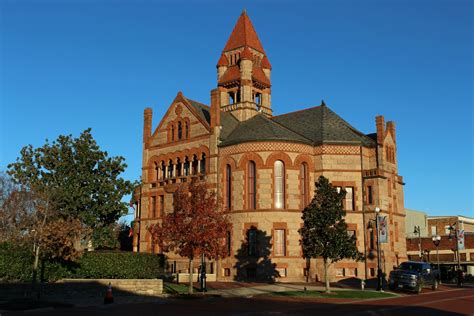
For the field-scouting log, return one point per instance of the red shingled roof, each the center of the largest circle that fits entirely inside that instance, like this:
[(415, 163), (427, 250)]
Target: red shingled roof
[(232, 73), (265, 63), (243, 34), (246, 54), (223, 61), (259, 75)]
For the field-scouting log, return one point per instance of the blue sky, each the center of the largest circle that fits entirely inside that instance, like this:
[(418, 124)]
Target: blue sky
[(69, 65)]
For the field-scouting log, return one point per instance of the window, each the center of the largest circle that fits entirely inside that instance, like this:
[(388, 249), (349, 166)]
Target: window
[(228, 243), (279, 245), (252, 186), (180, 130), (351, 233), (153, 206), (304, 184), (227, 272), (228, 187), (203, 164), (433, 230), (372, 271), (172, 133), (186, 129), (340, 272), (279, 184), (351, 272), (281, 272), (162, 205), (350, 198), (370, 198), (371, 239), (252, 242), (170, 169)]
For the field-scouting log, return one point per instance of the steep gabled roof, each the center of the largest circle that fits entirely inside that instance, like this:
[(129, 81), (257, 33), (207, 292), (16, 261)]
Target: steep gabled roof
[(243, 34), (322, 126), (201, 109)]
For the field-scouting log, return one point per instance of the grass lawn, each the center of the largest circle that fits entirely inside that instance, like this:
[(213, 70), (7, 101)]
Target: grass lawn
[(357, 294), (181, 288)]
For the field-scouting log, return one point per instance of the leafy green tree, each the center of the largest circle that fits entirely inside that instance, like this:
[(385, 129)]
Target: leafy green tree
[(324, 232), (76, 180)]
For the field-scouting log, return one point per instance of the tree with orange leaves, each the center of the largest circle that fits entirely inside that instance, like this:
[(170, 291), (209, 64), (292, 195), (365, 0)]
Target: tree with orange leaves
[(198, 225)]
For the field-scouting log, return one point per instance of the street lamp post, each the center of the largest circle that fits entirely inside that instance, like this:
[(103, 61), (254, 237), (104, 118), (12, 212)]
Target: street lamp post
[(203, 273), (379, 269), (436, 240), (418, 231), (455, 229)]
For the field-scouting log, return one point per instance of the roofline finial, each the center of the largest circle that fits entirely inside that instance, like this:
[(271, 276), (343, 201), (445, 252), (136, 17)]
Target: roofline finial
[(323, 103), (244, 11)]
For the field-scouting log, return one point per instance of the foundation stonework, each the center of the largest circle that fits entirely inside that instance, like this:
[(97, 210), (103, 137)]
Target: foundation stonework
[(264, 168)]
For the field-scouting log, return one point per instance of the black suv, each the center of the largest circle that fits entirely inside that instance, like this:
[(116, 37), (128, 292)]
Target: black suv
[(413, 275)]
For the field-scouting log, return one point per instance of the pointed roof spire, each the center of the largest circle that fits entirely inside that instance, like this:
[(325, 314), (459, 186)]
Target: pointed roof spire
[(246, 54), (244, 34), (323, 103), (223, 61), (266, 63)]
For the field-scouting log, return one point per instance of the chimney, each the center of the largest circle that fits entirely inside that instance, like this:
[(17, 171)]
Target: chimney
[(215, 111), (380, 124), (147, 117), (391, 129)]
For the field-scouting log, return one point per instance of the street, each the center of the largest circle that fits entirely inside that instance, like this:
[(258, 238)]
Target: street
[(446, 301)]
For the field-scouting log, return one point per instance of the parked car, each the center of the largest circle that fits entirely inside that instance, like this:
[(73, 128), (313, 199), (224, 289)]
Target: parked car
[(413, 275)]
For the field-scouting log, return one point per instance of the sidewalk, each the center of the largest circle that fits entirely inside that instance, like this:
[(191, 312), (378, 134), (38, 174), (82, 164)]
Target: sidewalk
[(268, 288)]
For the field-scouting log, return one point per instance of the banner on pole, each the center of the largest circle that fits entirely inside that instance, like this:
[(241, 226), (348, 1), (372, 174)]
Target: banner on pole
[(383, 228), (461, 239)]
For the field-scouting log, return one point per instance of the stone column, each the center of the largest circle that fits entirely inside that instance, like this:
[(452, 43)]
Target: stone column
[(199, 167)]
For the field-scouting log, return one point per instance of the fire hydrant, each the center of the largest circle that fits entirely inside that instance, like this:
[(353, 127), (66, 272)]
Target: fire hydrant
[(362, 284)]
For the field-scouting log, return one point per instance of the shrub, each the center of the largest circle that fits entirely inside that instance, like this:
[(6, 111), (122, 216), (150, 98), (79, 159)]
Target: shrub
[(16, 265)]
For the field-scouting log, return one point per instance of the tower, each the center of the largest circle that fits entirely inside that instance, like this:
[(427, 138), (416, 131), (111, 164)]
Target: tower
[(243, 73)]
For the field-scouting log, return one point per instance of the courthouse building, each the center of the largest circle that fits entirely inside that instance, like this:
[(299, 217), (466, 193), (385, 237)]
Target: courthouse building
[(264, 168)]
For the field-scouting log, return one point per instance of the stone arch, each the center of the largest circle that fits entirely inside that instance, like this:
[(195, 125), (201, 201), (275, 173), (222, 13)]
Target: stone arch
[(248, 157), (279, 156)]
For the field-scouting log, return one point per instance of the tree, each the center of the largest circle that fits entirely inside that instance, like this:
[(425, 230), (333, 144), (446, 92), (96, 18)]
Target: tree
[(324, 232), (198, 225), (76, 180), (16, 211)]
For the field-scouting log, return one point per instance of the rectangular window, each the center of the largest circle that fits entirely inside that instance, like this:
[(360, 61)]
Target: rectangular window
[(351, 233), (433, 230), (349, 198), (369, 195), (227, 272), (280, 242), (352, 272), (162, 205), (372, 271), (228, 243), (252, 242), (153, 206), (281, 272), (447, 231), (340, 272), (396, 231), (252, 186)]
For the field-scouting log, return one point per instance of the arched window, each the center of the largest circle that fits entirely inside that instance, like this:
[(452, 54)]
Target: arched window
[(304, 184), (279, 184), (172, 133), (186, 166), (163, 171), (157, 171), (170, 169), (228, 187), (186, 130), (180, 130), (252, 186), (203, 164)]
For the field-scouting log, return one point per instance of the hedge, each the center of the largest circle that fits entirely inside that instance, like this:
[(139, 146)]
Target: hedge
[(16, 265)]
